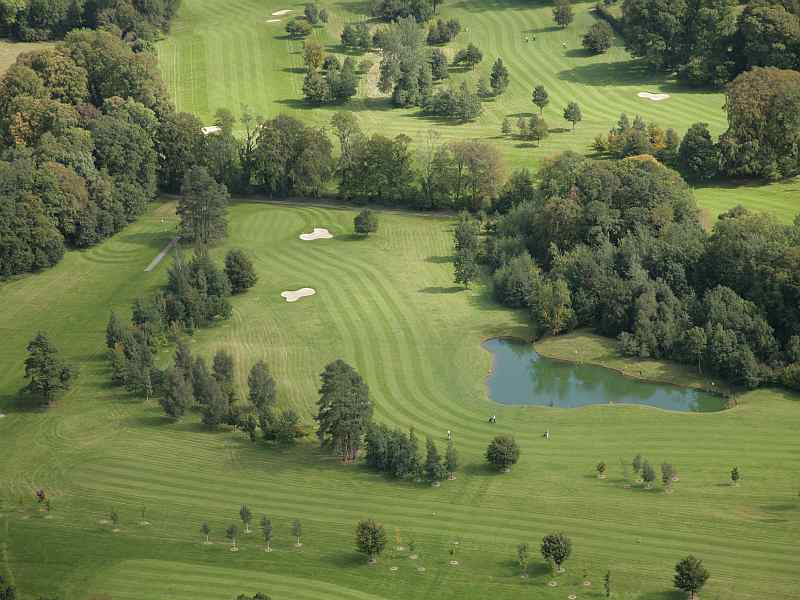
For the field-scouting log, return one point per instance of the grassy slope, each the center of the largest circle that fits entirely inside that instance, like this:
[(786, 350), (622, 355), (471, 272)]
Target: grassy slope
[(10, 50), (226, 54), (387, 305)]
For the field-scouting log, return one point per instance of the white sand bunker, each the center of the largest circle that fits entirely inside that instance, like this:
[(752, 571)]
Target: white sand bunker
[(319, 233), (653, 97), (280, 13), (273, 20), (294, 296)]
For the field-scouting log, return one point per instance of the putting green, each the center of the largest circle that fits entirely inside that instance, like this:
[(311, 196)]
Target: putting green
[(387, 305)]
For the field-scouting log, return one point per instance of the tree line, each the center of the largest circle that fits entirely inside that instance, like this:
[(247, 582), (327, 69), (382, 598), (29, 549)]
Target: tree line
[(139, 23), (710, 42), (617, 245)]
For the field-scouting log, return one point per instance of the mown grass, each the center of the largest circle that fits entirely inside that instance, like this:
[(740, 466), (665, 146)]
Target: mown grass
[(224, 55), (387, 305)]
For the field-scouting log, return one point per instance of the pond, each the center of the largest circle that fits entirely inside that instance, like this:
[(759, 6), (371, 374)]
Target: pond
[(520, 376)]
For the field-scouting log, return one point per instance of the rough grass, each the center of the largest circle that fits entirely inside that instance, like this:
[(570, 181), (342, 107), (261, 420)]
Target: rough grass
[(223, 55), (387, 305), (10, 50)]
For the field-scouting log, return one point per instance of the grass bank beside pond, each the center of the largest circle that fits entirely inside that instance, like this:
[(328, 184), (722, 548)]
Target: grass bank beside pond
[(582, 346)]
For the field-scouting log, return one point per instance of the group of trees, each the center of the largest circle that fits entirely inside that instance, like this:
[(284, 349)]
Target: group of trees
[(377, 169), (647, 474), (393, 10), (761, 141), (37, 20), (637, 138), (195, 294), (598, 38), (396, 454), (47, 373), (313, 15), (443, 31), (712, 41), (327, 80), (617, 245), (82, 125)]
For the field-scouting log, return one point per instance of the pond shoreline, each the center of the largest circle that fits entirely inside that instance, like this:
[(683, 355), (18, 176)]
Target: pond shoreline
[(601, 353), (546, 347)]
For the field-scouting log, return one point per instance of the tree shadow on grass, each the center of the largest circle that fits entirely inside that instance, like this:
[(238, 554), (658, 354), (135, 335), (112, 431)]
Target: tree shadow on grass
[(495, 5), (579, 53), (629, 72), (155, 240), (482, 470), (524, 115), (442, 290), (665, 595), (439, 260), (348, 560), (351, 237), (294, 70), (560, 130), (548, 29)]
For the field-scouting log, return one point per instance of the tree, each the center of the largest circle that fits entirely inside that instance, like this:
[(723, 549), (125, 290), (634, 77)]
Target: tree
[(266, 531), (523, 559), (313, 54), (636, 463), (232, 532), (556, 547), (667, 475), (502, 452), (690, 576), (262, 394), (465, 266), (505, 128), (562, 13), (223, 371), (178, 394), (540, 97), (470, 56), (297, 531), (115, 331), (246, 516), (311, 12), (298, 28), (205, 531), (202, 207), (49, 375), (433, 463), (483, 89), (439, 65), (214, 405), (551, 305), (451, 460), (114, 517), (735, 475), (695, 343), (366, 222), (648, 474), (345, 410), (698, 155), (598, 38), (607, 584), (370, 539), (601, 469), (499, 77), (240, 271), (537, 128), (572, 113), (763, 108)]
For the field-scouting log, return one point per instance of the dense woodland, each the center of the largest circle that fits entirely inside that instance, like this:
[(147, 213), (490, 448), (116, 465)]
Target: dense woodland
[(712, 41), (139, 21), (618, 246)]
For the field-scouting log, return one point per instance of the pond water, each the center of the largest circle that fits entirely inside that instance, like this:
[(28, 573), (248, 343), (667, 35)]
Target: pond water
[(521, 376)]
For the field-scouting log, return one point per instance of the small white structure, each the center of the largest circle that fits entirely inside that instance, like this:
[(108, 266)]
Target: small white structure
[(273, 20), (210, 130), (280, 13), (319, 233), (653, 97), (294, 296)]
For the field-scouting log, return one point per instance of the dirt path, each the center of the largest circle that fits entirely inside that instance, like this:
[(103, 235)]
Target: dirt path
[(154, 263)]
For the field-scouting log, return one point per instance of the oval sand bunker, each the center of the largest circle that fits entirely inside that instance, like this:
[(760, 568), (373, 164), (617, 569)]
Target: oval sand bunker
[(653, 97), (319, 233), (294, 296)]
